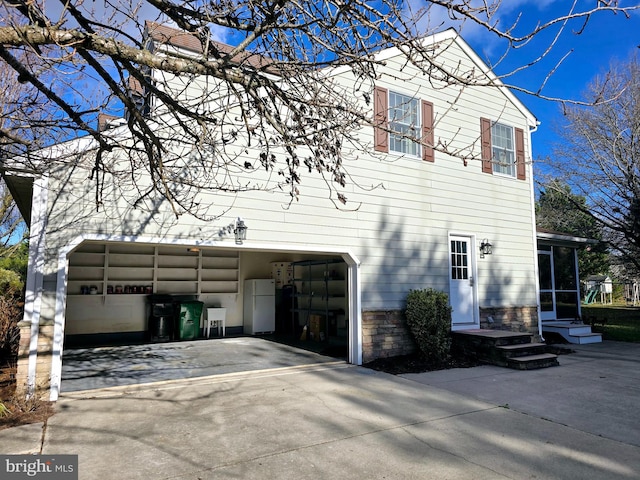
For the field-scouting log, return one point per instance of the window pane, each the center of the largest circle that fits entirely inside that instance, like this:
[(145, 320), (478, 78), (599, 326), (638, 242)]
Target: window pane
[(564, 268), (459, 261), (404, 118), (503, 149), (544, 271), (567, 305), (546, 301)]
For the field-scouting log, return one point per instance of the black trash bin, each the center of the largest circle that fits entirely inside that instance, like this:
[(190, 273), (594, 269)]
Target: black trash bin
[(161, 318)]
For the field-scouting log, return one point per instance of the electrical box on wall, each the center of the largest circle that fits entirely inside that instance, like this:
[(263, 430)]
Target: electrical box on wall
[(282, 273)]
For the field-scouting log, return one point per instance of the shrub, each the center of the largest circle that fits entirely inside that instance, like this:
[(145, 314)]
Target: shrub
[(10, 312), (10, 282), (429, 319)]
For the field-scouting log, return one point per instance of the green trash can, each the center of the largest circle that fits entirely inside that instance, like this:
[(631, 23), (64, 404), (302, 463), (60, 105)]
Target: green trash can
[(189, 313)]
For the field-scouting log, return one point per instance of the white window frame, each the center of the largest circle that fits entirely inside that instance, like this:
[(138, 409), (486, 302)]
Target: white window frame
[(503, 152), (398, 143)]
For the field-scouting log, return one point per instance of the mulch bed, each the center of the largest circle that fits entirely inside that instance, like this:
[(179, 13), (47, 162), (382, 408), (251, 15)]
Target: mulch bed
[(416, 363), (16, 410)]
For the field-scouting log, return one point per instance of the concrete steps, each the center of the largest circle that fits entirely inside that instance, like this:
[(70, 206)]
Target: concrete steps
[(505, 349), (572, 332)]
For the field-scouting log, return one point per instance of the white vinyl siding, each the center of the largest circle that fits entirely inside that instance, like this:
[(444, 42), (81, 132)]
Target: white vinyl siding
[(404, 118), (399, 212)]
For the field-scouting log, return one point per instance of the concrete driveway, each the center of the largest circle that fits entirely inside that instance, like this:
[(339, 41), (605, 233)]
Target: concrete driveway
[(112, 366), (595, 390), (339, 421)]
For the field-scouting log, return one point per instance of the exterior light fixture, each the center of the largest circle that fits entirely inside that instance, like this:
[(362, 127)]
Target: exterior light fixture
[(240, 231), (485, 248), (193, 249)]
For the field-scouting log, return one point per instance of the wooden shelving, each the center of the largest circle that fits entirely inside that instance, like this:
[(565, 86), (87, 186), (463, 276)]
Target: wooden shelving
[(161, 269)]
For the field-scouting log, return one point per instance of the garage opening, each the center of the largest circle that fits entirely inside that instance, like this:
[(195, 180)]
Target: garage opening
[(131, 294)]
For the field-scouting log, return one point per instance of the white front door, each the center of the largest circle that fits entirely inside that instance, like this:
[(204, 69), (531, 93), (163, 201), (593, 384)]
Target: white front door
[(462, 291)]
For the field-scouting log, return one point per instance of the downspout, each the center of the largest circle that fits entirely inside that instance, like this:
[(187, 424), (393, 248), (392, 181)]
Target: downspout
[(531, 130)]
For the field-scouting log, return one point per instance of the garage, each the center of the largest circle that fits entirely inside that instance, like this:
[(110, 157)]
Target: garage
[(115, 292)]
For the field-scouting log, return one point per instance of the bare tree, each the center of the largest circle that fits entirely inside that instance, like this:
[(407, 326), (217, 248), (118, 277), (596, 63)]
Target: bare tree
[(599, 158), (274, 100)]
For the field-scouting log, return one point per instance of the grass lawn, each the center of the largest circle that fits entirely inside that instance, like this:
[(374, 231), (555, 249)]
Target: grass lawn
[(615, 322)]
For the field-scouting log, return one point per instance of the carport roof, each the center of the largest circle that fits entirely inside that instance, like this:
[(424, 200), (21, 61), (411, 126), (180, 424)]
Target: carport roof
[(548, 237), (21, 188)]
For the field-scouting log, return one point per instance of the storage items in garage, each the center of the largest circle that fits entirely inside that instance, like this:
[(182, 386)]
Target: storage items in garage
[(188, 319), (321, 298), (161, 318)]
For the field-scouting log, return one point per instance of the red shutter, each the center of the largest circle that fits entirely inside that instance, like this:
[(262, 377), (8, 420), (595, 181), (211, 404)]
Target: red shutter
[(428, 153), (521, 168), (380, 112), (485, 141)]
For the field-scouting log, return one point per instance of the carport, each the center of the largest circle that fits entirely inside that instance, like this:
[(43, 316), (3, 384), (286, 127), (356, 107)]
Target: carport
[(69, 299)]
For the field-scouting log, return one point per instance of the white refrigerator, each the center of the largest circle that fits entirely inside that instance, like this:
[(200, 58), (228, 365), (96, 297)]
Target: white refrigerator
[(259, 306)]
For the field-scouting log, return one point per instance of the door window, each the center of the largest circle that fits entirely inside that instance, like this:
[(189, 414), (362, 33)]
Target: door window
[(459, 260)]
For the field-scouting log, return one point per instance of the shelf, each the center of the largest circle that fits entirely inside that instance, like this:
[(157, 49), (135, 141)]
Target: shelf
[(128, 275), (321, 293), (230, 263), (125, 260), (84, 259), (184, 287), (86, 274), (218, 287), (176, 274), (219, 275), (175, 261), (167, 269)]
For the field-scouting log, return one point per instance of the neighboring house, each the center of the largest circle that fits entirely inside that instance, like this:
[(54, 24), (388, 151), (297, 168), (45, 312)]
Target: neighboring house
[(424, 229)]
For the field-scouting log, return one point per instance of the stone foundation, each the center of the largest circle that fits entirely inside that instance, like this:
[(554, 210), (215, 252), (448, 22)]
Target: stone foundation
[(385, 334), (514, 319)]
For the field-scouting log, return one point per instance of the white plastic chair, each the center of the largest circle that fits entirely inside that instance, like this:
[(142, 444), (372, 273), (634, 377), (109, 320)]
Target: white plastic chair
[(216, 317)]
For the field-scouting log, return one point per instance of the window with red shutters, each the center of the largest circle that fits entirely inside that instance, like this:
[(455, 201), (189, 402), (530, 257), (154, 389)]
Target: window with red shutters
[(502, 149), (400, 114)]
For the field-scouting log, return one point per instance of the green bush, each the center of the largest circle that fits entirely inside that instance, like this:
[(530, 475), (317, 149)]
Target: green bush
[(9, 281), (429, 319)]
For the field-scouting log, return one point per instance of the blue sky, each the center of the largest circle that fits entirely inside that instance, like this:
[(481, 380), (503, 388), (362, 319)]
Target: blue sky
[(606, 38)]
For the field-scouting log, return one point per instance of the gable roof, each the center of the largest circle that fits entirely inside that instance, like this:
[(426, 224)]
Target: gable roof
[(451, 35), (164, 35)]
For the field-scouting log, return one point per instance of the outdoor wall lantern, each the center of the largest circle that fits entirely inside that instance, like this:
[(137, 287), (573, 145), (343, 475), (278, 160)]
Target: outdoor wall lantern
[(240, 231), (485, 248)]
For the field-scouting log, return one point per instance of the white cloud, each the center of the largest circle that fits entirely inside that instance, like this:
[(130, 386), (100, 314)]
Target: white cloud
[(438, 18)]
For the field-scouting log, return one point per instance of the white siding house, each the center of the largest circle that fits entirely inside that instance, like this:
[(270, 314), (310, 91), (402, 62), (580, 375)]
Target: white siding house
[(421, 219)]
